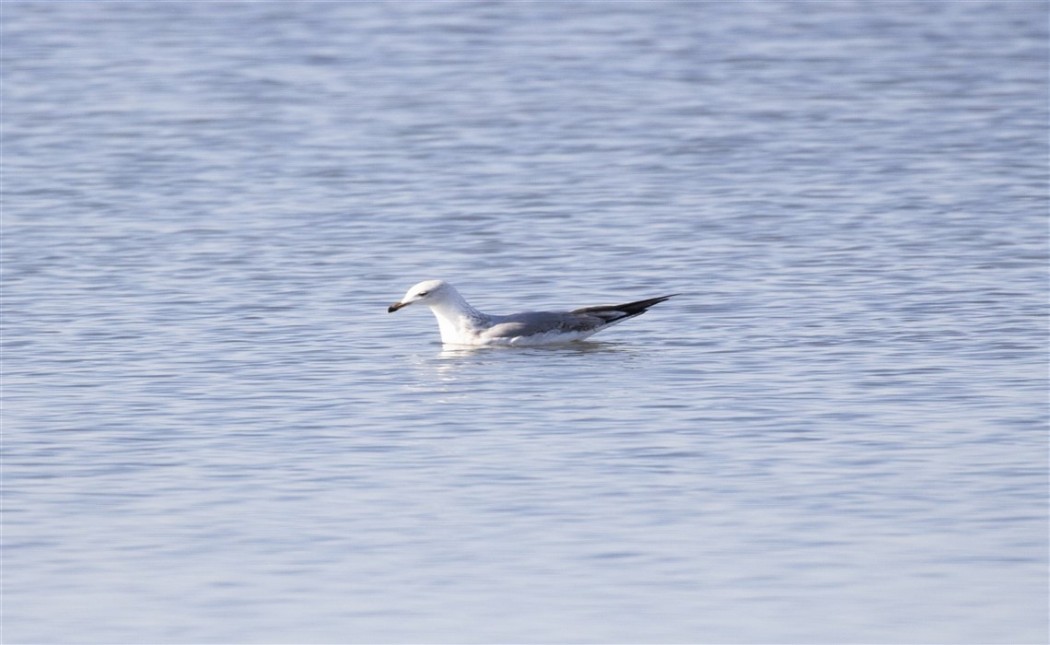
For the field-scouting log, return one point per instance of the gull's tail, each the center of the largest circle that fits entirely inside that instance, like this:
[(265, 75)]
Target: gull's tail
[(618, 313)]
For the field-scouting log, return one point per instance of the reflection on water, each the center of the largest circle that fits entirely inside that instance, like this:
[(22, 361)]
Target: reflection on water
[(460, 352)]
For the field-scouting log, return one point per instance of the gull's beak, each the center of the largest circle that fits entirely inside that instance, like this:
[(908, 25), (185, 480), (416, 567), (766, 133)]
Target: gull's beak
[(394, 307)]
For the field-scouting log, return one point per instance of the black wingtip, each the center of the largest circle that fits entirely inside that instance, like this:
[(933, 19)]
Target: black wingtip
[(640, 306), (629, 309)]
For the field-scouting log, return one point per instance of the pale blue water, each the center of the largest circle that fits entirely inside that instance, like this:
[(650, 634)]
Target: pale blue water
[(213, 432)]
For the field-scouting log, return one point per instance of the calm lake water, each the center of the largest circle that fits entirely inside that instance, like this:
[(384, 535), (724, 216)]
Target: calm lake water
[(213, 432)]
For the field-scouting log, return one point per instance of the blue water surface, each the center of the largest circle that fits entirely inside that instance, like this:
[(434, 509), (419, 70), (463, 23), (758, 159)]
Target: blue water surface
[(213, 432)]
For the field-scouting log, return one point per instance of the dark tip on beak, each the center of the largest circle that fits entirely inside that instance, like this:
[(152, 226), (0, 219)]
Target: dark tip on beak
[(394, 307)]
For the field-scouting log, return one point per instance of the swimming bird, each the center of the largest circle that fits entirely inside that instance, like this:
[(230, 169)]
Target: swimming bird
[(462, 324)]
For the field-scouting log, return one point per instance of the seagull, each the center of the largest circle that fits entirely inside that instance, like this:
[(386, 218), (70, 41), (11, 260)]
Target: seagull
[(462, 324)]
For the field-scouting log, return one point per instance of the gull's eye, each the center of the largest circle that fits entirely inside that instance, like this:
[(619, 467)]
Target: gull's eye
[(423, 294)]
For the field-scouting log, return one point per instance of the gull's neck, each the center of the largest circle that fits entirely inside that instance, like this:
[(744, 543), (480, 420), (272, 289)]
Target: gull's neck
[(456, 318)]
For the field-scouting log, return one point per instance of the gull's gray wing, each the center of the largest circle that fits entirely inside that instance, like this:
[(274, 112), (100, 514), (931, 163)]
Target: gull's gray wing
[(584, 321), (616, 313), (531, 323)]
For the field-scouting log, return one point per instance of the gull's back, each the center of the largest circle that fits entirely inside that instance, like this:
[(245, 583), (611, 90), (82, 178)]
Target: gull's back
[(541, 327)]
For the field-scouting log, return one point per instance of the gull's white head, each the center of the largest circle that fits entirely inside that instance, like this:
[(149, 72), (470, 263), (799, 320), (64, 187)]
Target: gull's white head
[(427, 292)]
